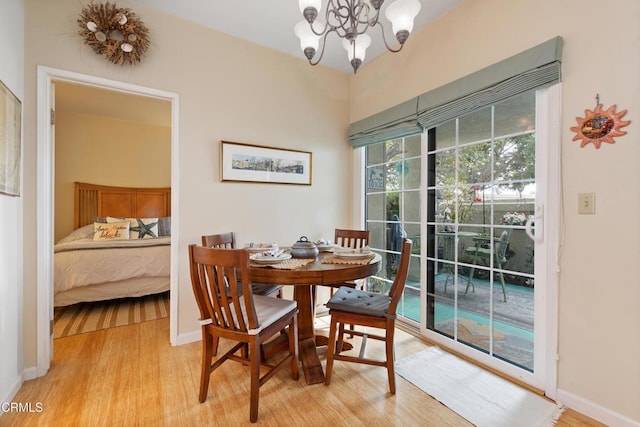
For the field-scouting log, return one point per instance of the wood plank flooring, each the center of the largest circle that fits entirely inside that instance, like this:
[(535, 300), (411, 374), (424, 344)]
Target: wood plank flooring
[(131, 376)]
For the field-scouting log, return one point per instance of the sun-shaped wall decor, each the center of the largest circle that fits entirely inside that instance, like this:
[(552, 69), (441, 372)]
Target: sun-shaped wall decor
[(600, 126)]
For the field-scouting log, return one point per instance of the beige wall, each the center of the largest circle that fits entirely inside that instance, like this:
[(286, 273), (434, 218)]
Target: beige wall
[(599, 296), (106, 151), (228, 90)]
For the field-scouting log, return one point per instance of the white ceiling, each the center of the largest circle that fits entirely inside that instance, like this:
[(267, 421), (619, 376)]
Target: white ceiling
[(270, 23)]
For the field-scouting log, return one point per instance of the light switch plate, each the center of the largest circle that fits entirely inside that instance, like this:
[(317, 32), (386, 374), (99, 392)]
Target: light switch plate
[(587, 203)]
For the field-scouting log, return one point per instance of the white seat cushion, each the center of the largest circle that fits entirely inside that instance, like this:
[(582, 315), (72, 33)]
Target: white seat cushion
[(269, 310)]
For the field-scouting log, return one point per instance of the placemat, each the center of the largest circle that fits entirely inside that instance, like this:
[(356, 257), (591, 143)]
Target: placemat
[(337, 260), (287, 264)]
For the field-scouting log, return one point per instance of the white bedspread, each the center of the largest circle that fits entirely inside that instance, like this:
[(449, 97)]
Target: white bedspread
[(81, 261)]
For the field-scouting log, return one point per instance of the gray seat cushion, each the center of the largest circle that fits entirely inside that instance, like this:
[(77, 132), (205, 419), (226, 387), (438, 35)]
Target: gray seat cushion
[(264, 288), (360, 302)]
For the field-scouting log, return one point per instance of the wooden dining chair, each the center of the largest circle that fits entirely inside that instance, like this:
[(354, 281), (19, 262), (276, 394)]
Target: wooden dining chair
[(354, 239), (351, 238), (248, 319), (228, 241), (355, 307)]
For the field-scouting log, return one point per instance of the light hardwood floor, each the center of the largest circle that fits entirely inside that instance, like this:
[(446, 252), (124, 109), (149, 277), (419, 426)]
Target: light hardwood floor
[(131, 376)]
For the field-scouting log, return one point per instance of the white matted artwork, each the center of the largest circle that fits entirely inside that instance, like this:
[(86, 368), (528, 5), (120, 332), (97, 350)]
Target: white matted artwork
[(256, 163), (10, 126)]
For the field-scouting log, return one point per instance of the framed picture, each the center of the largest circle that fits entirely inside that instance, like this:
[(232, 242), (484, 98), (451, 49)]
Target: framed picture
[(257, 163), (10, 125)]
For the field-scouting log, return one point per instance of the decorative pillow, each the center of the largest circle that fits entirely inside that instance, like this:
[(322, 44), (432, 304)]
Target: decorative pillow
[(140, 228), (164, 226), (111, 231)]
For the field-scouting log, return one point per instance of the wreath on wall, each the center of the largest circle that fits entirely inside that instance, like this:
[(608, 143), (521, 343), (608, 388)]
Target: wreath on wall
[(114, 32)]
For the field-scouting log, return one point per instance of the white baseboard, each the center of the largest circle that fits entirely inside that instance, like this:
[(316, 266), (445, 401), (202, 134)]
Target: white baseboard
[(11, 393), (188, 338), (595, 411), (30, 373)]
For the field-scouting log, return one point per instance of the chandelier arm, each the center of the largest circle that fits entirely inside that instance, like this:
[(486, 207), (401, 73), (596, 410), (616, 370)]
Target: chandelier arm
[(363, 8), (324, 43), (384, 39), (324, 29), (340, 14)]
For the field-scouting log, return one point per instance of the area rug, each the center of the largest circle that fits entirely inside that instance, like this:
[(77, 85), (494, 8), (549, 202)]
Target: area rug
[(92, 316), (482, 398)]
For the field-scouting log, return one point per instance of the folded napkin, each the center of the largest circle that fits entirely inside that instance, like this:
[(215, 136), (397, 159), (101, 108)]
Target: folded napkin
[(339, 250), (323, 242), (272, 253)]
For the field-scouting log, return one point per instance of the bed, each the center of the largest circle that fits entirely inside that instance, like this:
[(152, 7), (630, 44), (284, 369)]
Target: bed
[(120, 246)]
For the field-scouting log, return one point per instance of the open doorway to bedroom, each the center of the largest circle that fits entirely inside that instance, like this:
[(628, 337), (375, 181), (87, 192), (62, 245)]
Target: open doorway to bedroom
[(125, 111), (112, 161)]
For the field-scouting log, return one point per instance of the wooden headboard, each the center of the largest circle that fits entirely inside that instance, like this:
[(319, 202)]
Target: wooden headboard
[(91, 200)]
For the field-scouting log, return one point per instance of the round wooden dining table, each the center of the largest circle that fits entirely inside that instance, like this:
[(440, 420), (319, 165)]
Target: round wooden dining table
[(304, 279)]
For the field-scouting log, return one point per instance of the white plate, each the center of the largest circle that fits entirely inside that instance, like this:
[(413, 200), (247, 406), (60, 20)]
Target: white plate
[(326, 248), (354, 255), (262, 259), (259, 247)]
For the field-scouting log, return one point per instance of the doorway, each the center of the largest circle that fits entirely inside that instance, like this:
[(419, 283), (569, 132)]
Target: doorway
[(45, 195)]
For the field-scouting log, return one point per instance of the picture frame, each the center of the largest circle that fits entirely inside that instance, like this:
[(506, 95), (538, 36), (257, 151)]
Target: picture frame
[(241, 162), (10, 141)]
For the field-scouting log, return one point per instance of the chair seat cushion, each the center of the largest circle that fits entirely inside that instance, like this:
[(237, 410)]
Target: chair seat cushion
[(269, 309), (264, 288), (360, 302), (481, 252)]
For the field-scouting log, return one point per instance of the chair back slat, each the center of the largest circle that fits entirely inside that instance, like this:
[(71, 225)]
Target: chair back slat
[(353, 239), (401, 276), (218, 282), (220, 279)]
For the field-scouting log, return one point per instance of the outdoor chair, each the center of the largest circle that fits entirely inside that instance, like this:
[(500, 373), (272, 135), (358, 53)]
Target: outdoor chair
[(480, 254)]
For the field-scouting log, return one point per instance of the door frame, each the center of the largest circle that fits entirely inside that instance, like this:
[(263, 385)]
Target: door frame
[(548, 165), (45, 184)]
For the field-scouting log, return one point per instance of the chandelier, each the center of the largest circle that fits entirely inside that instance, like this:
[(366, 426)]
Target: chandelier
[(350, 20)]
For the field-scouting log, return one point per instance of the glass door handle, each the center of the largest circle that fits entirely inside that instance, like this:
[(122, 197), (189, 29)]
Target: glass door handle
[(538, 217)]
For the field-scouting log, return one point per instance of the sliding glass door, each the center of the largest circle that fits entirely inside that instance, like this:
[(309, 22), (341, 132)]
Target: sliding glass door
[(481, 192), (469, 193)]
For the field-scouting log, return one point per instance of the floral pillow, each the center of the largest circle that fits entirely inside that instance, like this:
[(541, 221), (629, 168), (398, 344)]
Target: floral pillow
[(140, 228), (111, 231)]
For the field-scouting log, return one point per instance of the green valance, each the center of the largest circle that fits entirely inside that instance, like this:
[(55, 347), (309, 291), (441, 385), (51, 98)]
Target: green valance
[(394, 122), (532, 69)]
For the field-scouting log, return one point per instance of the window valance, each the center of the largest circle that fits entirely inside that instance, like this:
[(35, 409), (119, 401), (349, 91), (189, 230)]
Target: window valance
[(532, 69)]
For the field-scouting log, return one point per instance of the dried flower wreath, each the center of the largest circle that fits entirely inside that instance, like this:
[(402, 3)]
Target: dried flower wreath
[(115, 33)]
